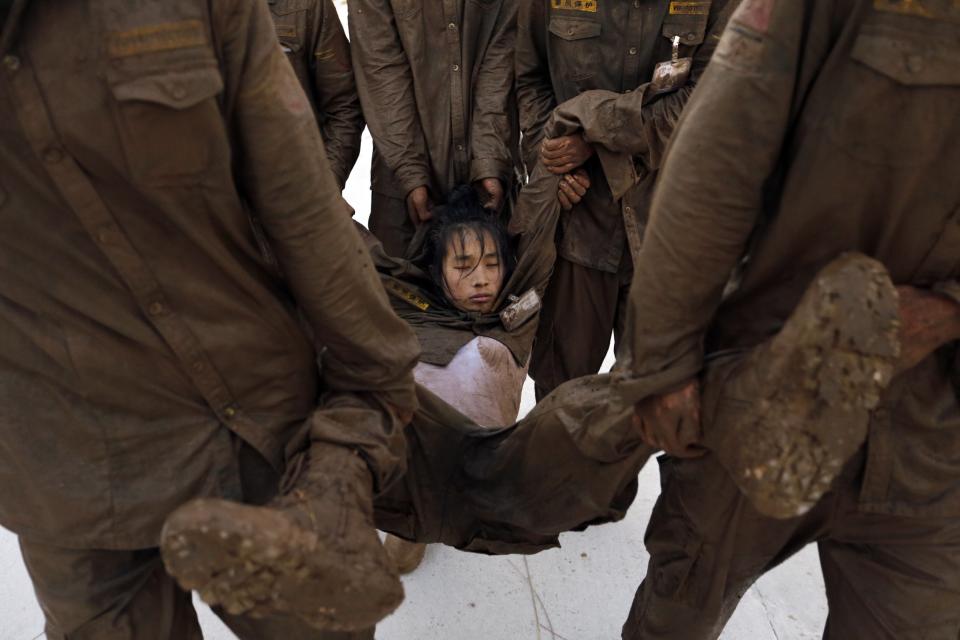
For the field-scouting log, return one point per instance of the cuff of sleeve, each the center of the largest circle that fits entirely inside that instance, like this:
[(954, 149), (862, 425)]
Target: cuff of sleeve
[(481, 168), (411, 178), (949, 288), (619, 170), (632, 388)]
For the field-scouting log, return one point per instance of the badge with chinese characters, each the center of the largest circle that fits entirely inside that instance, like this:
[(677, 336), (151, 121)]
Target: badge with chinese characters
[(673, 74)]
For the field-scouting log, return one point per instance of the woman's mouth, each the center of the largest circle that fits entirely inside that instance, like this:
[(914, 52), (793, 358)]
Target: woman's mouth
[(481, 298)]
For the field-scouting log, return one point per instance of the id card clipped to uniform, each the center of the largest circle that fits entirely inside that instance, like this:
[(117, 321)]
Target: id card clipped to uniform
[(670, 76)]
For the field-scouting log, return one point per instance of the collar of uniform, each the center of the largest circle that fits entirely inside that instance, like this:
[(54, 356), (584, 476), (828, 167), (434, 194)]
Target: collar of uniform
[(11, 25)]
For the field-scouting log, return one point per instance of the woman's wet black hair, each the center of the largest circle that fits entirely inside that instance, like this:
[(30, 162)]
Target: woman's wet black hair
[(462, 214)]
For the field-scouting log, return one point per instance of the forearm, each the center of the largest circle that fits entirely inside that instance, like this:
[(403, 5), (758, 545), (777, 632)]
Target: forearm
[(949, 289), (342, 133), (929, 319), (640, 122), (535, 97), (492, 132), (708, 201), (385, 86), (335, 90), (365, 347), (621, 123)]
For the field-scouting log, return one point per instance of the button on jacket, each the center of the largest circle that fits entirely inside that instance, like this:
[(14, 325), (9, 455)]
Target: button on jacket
[(605, 52), (139, 324), (436, 83)]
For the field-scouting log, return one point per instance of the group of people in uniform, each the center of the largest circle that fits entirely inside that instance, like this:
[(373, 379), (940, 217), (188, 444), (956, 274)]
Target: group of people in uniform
[(208, 373)]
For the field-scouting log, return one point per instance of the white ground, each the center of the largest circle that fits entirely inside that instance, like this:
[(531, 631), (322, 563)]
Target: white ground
[(580, 592)]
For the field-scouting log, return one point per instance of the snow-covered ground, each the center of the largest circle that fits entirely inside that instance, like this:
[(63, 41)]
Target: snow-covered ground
[(582, 591)]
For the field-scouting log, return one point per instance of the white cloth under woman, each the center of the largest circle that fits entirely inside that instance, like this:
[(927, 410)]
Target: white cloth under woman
[(483, 382)]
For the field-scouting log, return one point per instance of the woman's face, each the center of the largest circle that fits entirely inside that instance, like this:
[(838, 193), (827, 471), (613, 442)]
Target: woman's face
[(473, 279)]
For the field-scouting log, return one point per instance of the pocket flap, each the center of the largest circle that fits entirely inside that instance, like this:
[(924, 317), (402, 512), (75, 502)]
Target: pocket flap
[(286, 7), (174, 89), (573, 29), (687, 20), (287, 35), (916, 60)]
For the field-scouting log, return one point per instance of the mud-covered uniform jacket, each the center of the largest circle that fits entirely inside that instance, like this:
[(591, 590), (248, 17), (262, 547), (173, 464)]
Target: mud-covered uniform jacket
[(822, 126), (436, 83), (139, 324), (605, 52), (312, 36)]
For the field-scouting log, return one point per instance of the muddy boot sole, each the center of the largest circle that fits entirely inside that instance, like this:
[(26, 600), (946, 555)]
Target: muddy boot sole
[(254, 561), (805, 397)]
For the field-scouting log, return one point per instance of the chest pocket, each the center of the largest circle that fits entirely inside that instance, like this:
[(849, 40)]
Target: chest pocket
[(576, 45), (170, 124), (688, 20), (902, 91), (290, 22)]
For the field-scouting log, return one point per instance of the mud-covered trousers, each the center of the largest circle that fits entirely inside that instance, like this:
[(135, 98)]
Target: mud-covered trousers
[(391, 224), (89, 594), (572, 462), (888, 577), (582, 307)]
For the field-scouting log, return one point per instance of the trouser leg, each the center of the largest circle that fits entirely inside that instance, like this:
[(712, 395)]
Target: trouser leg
[(624, 280), (707, 546), (108, 595), (573, 461), (127, 595), (578, 316), (391, 224), (892, 577)]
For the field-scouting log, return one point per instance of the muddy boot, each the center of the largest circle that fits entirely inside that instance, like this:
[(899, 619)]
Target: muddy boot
[(312, 553), (796, 409), (405, 556)]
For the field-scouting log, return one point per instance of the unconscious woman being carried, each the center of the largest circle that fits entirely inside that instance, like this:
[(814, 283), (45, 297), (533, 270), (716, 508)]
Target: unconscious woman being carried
[(451, 292), (469, 259)]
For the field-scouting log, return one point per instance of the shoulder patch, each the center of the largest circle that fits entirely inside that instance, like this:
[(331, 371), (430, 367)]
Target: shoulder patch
[(402, 292), (156, 37), (589, 6)]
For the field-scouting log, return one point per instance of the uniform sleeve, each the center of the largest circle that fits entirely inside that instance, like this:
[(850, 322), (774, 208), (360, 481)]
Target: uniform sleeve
[(949, 288), (335, 91), (287, 180), (711, 188), (535, 97), (640, 123), (385, 84), (490, 134)]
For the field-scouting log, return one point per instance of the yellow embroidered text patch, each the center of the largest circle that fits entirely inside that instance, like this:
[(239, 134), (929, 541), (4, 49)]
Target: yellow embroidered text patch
[(590, 6), (689, 8), (409, 296), (156, 37)]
